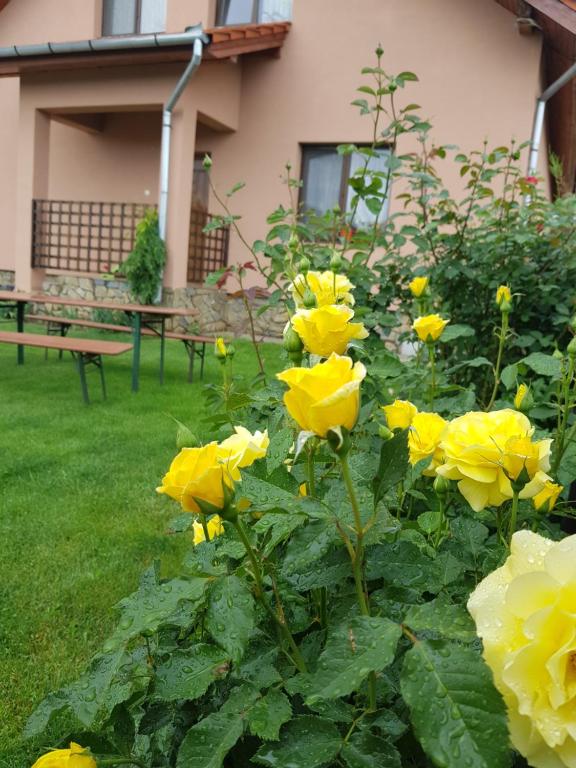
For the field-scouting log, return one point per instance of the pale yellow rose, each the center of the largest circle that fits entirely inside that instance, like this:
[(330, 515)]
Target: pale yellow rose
[(525, 615), (242, 449), (399, 414), (424, 437), (483, 450), (215, 528), (327, 329), (503, 294), (429, 328), (327, 287), (197, 473), (418, 285), (324, 396), (75, 757), (545, 501)]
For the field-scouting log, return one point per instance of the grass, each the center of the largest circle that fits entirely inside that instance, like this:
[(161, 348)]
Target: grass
[(79, 518)]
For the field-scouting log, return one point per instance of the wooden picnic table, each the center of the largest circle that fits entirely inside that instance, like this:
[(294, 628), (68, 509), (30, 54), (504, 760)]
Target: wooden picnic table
[(141, 316)]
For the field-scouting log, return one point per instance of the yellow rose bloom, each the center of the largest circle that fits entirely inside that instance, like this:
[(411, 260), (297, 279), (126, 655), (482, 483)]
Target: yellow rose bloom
[(197, 473), (75, 757), (215, 528), (220, 348), (503, 294), (324, 396), (484, 450), (327, 287), (524, 613), (545, 501), (429, 328), (418, 285), (426, 431), (399, 414), (242, 449), (327, 329)]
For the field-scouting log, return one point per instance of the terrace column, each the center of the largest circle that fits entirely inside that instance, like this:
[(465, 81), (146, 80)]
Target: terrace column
[(32, 182), (180, 192)]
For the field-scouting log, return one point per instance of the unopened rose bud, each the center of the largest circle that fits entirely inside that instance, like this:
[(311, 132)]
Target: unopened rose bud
[(571, 348), (231, 350), (294, 242), (220, 349), (304, 265), (557, 355), (504, 298), (385, 433), (292, 342), (523, 400), (309, 299), (441, 485), (336, 261), (207, 162)]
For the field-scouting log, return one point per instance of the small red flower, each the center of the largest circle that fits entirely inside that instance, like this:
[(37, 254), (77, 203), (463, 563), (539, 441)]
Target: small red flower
[(531, 180)]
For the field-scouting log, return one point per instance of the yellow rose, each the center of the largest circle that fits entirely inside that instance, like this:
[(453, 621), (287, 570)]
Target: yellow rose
[(524, 613), (523, 400), (215, 528), (197, 473), (327, 329), (503, 294), (220, 349), (75, 757), (324, 396), (429, 328), (545, 501), (242, 449), (327, 287), (418, 285), (483, 450), (424, 437), (399, 415)]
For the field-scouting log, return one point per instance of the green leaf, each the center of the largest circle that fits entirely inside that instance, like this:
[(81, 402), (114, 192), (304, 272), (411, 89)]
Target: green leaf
[(187, 673), (543, 365), (452, 332), (469, 533), (279, 527), (230, 615), (466, 725), (208, 742), (365, 750), (393, 464), (430, 521), (181, 523), (446, 619), (308, 544), (400, 563), (278, 449), (509, 376), (306, 742), (153, 604), (407, 76), (266, 496), (269, 714), (353, 650)]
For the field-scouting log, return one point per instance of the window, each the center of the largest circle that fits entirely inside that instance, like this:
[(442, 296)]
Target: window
[(133, 17), (325, 176), (232, 12)]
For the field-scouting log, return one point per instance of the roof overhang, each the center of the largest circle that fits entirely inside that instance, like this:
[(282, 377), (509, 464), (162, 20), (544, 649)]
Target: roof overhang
[(225, 43)]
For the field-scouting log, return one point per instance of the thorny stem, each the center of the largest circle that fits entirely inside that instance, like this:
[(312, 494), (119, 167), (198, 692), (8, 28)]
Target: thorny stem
[(502, 342), (311, 478), (432, 358), (564, 412), (205, 527), (248, 309), (296, 655)]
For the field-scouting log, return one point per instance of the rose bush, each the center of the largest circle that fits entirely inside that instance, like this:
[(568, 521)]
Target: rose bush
[(346, 512)]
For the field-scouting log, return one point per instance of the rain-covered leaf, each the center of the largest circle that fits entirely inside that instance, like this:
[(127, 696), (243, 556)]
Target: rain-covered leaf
[(306, 742), (365, 750), (308, 544), (278, 449), (208, 742), (230, 615), (187, 673), (393, 464), (269, 714), (446, 619)]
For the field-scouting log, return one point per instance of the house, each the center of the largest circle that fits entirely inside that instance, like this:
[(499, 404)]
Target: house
[(84, 86)]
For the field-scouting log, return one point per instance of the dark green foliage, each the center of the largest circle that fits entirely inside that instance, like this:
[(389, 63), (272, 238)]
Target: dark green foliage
[(143, 268)]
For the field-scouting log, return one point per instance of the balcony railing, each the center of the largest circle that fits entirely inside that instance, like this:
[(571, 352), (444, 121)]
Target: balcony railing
[(95, 237)]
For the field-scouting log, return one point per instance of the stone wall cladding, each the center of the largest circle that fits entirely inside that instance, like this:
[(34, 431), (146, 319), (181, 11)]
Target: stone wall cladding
[(7, 279), (218, 312)]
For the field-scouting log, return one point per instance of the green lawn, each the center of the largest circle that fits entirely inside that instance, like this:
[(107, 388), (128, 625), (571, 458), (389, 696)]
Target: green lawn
[(79, 517)]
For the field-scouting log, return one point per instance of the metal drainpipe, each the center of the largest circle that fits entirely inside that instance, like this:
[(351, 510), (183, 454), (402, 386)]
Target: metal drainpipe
[(538, 124), (167, 140)]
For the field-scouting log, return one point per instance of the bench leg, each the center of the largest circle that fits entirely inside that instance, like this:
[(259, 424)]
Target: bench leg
[(53, 328), (100, 364), (82, 371), (162, 348), (202, 354), (191, 349), (20, 328), (136, 331)]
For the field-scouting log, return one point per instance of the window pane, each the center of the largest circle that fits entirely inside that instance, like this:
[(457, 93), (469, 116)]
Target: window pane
[(238, 12), (119, 17), (322, 179), (275, 10), (153, 16), (364, 218)]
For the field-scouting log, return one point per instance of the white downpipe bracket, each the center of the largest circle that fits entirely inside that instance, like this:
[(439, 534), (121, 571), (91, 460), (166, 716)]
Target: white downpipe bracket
[(538, 125)]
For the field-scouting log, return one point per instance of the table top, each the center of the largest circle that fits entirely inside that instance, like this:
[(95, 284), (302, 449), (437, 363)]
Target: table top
[(66, 343), (144, 309)]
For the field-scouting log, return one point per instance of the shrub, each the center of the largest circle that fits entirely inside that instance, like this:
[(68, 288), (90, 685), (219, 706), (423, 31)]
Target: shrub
[(143, 267)]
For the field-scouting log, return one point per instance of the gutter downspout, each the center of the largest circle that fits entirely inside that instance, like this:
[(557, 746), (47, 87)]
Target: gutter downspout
[(538, 124), (165, 149)]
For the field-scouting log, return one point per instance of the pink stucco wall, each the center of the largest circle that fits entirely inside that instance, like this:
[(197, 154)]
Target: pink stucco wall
[(478, 79)]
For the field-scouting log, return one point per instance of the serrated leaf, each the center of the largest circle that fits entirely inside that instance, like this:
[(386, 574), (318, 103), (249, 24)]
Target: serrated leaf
[(278, 449), (306, 742), (471, 534), (265, 496), (353, 650), (208, 742), (269, 714), (543, 365), (279, 526), (230, 615), (393, 464), (153, 604), (400, 563), (509, 376), (181, 523), (467, 724), (457, 331), (446, 619), (365, 750), (188, 673), (308, 544)]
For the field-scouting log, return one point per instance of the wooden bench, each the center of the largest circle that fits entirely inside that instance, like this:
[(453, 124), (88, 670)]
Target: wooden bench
[(85, 351), (61, 326)]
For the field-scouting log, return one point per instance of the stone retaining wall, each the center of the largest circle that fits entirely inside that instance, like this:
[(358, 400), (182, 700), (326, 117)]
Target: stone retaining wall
[(219, 312), (6, 279)]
